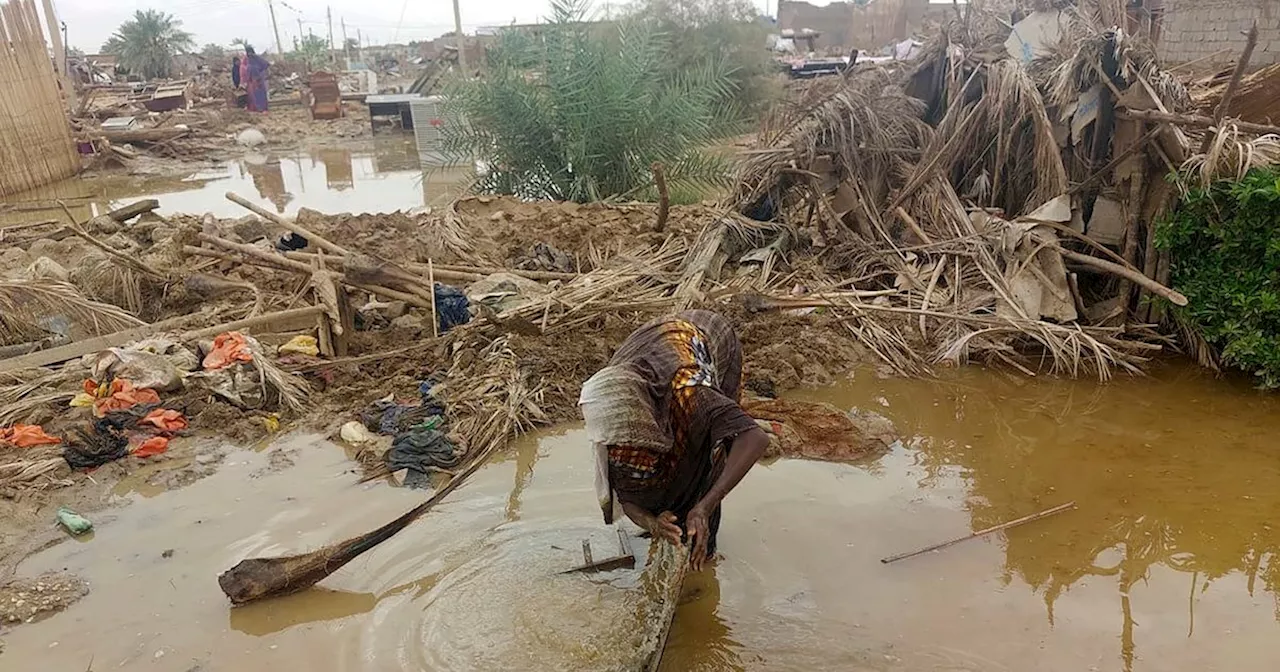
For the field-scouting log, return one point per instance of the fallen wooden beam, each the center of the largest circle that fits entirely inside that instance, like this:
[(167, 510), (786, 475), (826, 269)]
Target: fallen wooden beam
[(313, 238), (1196, 121), (147, 135), (132, 210)]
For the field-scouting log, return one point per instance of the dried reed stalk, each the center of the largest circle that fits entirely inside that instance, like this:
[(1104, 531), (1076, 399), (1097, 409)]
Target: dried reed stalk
[(36, 147)]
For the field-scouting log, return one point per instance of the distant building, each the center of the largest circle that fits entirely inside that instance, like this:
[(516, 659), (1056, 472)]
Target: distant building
[(869, 27)]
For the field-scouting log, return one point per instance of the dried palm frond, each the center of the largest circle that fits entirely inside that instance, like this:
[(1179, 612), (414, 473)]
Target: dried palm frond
[(109, 281), (866, 128), (22, 409), (1231, 155), (446, 234), (1009, 138), (38, 468), (25, 305)]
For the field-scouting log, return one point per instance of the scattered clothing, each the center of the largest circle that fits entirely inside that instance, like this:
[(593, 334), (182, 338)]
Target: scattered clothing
[(660, 416), (422, 450), (105, 442), (292, 242), (228, 348), (452, 307), (389, 418), (26, 436)]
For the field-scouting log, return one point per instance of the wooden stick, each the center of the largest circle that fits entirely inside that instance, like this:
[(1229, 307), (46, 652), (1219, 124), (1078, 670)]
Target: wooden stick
[(664, 199), (74, 228), (995, 528), (1241, 66), (1197, 121), (435, 319), (256, 253), (292, 226), (304, 315), (132, 210), (913, 225), (392, 294), (1129, 274), (457, 276)]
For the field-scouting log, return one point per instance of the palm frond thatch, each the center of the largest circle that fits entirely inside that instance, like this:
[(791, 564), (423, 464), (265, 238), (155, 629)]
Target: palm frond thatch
[(28, 306)]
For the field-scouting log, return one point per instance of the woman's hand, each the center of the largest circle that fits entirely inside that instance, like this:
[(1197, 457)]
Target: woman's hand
[(699, 528), (664, 526)]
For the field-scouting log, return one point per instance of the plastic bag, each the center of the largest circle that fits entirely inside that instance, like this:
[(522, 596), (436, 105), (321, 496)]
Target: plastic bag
[(143, 369), (75, 523), (301, 345), (152, 446), (165, 420), (123, 395)]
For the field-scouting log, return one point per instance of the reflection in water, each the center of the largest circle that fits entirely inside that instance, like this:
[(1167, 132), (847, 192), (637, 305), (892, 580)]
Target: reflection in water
[(311, 606), (1178, 475), (268, 179), (383, 178)]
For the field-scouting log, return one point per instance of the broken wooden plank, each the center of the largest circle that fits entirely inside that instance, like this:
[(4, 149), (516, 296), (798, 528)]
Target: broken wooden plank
[(1196, 121), (132, 210)]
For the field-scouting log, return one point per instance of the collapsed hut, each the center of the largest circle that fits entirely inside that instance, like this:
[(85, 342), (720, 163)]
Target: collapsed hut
[(997, 198)]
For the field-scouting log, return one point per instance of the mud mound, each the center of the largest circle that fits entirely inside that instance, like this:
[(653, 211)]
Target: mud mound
[(821, 431)]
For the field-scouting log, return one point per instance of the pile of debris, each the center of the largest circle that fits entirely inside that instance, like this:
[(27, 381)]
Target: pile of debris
[(997, 198)]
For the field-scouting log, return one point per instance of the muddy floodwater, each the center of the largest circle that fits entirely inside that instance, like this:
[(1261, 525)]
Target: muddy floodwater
[(1168, 564), (381, 176)]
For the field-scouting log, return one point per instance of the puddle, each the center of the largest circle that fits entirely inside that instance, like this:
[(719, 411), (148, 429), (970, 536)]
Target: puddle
[(384, 177), (1169, 563)]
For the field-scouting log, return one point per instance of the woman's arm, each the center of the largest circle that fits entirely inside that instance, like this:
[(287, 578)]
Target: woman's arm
[(662, 525), (747, 448)]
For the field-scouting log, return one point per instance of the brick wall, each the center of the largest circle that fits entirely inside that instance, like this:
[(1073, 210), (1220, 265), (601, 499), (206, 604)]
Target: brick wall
[(1198, 29)]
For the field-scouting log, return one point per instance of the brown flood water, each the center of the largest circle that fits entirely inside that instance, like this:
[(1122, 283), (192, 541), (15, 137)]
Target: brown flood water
[(1169, 564)]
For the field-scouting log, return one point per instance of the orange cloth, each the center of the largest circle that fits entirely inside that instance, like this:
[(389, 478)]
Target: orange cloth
[(152, 446), (124, 395), (26, 436), (228, 348), (165, 420)]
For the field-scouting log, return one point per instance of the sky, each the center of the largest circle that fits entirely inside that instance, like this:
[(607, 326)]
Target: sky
[(91, 22)]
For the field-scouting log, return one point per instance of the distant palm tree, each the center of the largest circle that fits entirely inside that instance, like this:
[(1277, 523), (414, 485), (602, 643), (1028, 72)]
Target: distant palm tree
[(147, 43)]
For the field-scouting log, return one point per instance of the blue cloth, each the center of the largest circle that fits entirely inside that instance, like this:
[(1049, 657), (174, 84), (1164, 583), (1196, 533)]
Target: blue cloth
[(451, 307)]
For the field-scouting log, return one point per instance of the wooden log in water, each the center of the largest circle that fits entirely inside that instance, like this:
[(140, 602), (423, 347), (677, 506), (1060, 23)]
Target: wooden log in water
[(994, 528)]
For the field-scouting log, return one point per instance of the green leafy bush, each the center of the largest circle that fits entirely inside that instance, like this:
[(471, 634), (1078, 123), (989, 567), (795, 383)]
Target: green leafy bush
[(1224, 244), (580, 111)]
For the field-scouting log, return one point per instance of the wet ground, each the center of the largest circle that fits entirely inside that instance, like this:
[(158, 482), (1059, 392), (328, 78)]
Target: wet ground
[(1168, 564), (375, 176)]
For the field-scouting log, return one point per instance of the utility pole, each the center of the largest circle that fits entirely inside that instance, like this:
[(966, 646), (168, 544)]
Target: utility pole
[(275, 28), (299, 30), (462, 43), (346, 47), (328, 11), (59, 54)]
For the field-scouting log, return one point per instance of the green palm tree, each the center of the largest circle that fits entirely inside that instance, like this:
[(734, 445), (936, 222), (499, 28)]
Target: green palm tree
[(147, 43)]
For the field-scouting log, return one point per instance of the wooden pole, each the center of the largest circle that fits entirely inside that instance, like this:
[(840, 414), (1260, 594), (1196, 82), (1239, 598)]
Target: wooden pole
[(59, 54), (664, 199), (313, 238), (462, 42), (435, 319), (980, 533), (1241, 66), (275, 28), (1196, 121)]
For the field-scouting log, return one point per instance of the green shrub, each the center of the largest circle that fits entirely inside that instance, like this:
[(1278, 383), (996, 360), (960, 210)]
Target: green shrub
[(580, 111), (1224, 244)]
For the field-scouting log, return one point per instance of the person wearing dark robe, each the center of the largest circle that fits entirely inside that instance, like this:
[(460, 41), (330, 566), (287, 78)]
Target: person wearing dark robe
[(669, 438)]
